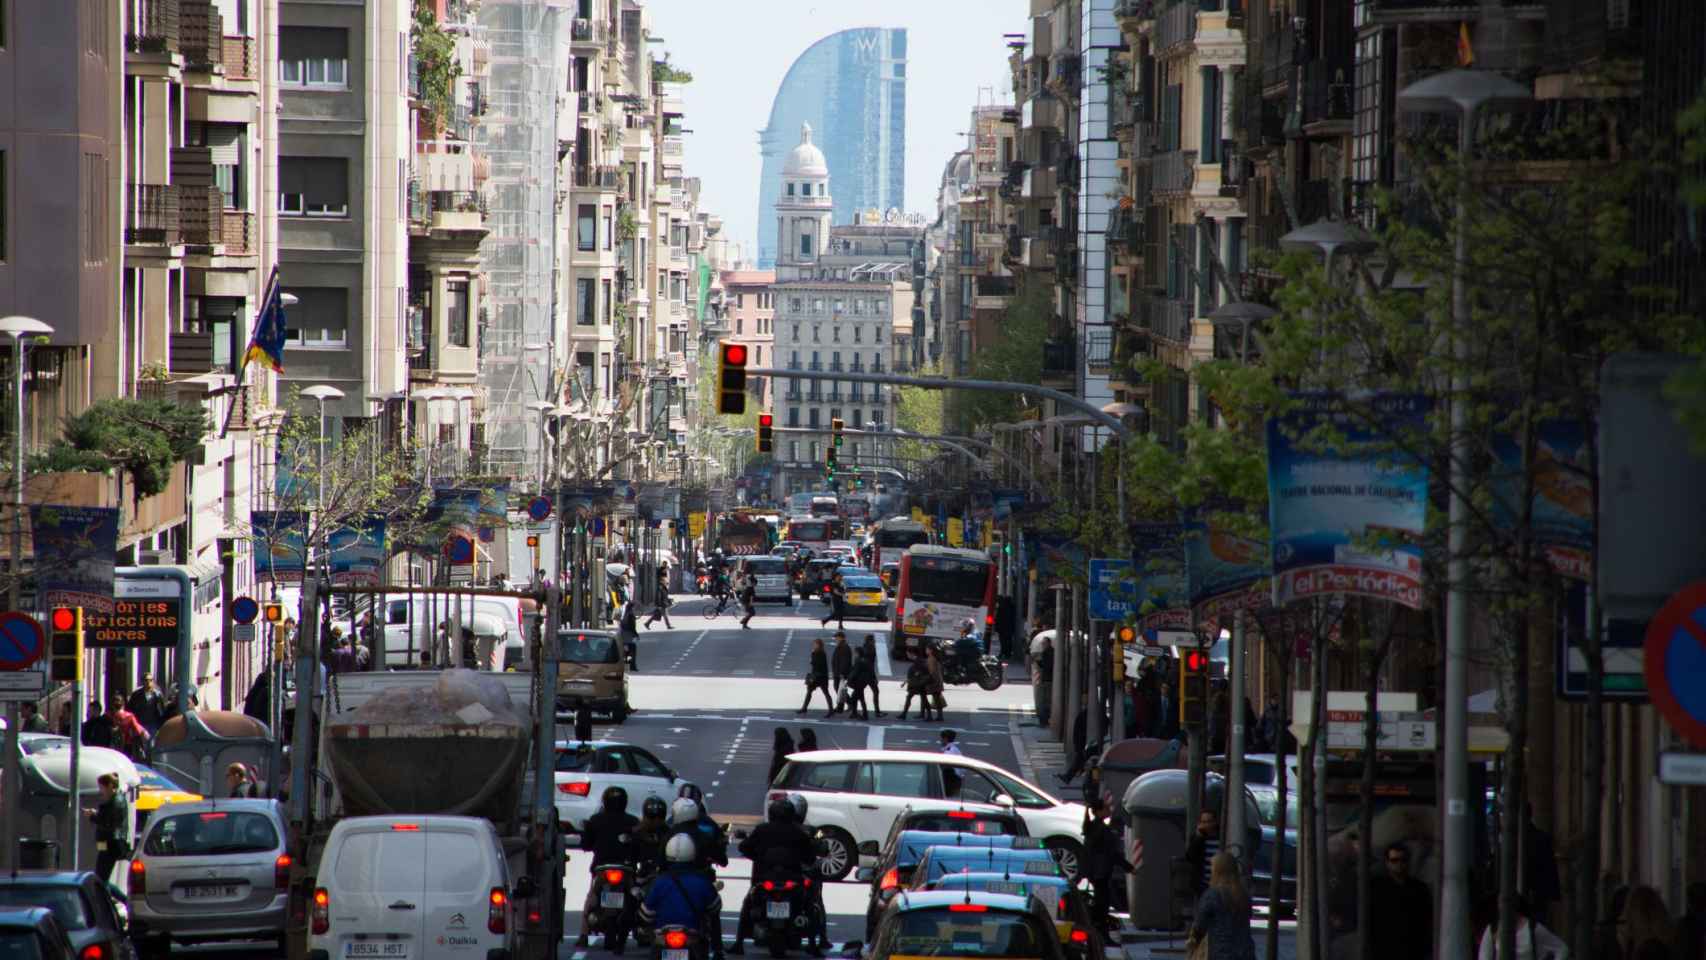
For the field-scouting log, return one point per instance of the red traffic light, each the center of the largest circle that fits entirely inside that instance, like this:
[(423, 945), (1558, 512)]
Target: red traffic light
[(734, 353), (64, 618), (765, 420), (1195, 661)]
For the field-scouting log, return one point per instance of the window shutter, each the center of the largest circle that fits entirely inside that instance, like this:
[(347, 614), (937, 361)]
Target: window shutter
[(225, 141)]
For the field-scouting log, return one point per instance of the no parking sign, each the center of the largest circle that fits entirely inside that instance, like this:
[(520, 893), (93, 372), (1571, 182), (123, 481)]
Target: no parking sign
[(1676, 662)]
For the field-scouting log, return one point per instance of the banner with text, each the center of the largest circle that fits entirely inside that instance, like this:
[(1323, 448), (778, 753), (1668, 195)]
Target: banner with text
[(1226, 572), (280, 548), (1563, 496), (1158, 575), (358, 553), (1346, 507), (74, 552)]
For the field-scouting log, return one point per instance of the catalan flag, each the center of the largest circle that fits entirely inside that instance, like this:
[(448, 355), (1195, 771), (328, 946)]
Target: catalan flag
[(1465, 49), (266, 344)]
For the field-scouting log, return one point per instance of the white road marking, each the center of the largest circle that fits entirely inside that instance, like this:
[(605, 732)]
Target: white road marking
[(884, 668), (874, 737)]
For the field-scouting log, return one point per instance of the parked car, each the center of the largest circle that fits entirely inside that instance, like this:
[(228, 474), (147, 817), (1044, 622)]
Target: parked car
[(854, 796), (82, 909), (439, 886), (953, 923), (31, 933), (586, 768), (211, 870)]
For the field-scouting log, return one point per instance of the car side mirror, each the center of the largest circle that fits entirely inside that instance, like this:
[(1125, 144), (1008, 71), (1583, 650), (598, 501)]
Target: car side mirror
[(864, 874), (1004, 800), (869, 849), (524, 888)]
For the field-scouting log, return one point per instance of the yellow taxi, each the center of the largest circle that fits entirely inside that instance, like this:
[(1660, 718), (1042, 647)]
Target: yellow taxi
[(156, 791), (866, 596)]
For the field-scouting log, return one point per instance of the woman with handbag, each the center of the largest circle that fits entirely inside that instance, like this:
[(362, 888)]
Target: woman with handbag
[(1220, 929)]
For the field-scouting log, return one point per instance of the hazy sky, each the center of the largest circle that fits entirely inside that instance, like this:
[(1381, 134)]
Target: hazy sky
[(738, 51)]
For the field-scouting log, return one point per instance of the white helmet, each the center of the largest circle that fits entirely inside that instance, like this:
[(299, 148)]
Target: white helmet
[(680, 849), (684, 810)]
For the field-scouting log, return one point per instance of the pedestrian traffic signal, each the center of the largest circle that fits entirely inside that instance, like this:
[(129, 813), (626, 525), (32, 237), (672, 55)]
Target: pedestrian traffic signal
[(272, 612), (66, 644), (766, 433), (731, 378), (835, 426), (1193, 688)]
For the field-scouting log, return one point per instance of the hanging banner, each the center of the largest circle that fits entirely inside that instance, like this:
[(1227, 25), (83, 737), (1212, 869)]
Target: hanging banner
[(494, 511), (657, 501), (280, 544), (357, 553), (584, 501), (1346, 508), (1158, 576), (456, 510), (1225, 572), (1056, 557), (1563, 497), (74, 552)]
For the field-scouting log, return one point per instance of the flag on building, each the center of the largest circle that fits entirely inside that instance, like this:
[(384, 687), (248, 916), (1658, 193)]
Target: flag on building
[(266, 344), (1465, 49)]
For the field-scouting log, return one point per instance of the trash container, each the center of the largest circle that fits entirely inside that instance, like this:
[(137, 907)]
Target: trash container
[(37, 854), (1157, 835)]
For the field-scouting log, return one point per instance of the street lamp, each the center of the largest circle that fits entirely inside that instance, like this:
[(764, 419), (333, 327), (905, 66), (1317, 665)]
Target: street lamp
[(321, 393), (1241, 315), (1465, 92), (544, 408), (18, 327)]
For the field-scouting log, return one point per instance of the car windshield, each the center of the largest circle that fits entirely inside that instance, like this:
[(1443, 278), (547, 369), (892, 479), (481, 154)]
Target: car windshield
[(586, 648), (215, 832), (944, 932), (65, 902), (1267, 804), (862, 583), (19, 945)]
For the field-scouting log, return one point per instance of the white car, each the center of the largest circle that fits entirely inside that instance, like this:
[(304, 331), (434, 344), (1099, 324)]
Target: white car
[(586, 768), (853, 796)]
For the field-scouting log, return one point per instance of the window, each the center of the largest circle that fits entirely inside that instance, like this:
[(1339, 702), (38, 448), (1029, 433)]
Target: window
[(586, 310), (834, 414), (456, 312), (66, 904), (320, 319), (740, 300), (759, 354), (647, 765), (1022, 795), (877, 336), (313, 186), (794, 306), (609, 230), (858, 333), (805, 245), (313, 58), (974, 786), (893, 779), (876, 416), (854, 421), (794, 449), (817, 304), (796, 332), (824, 776), (835, 333), (740, 326), (817, 333), (608, 301), (586, 227), (811, 417), (790, 189), (224, 142)]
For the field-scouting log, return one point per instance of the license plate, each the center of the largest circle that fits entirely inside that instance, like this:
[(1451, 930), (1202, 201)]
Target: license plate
[(1004, 886), (913, 641), (612, 901), (388, 949), (778, 910), (211, 891), (675, 955)]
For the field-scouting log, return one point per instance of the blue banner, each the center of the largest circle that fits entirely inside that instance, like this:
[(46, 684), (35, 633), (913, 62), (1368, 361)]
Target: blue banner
[(357, 553), (1346, 508), (585, 501), (1113, 590), (494, 510), (1158, 571), (280, 547), (457, 512), (1563, 497), (1057, 558), (1225, 572), (75, 549)]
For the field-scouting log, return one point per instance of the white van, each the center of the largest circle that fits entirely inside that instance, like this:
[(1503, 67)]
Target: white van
[(420, 888), (495, 622)]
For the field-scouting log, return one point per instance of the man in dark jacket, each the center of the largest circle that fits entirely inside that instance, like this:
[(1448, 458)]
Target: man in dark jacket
[(1102, 857), (148, 704), (840, 661), (778, 846), (609, 834), (1400, 910), (1205, 843)]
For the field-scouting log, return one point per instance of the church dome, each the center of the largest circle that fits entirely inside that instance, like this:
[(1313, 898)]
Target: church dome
[(806, 160)]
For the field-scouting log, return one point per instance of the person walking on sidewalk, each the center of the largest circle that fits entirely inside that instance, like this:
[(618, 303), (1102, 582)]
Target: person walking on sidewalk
[(869, 649), (817, 678), (748, 599), (1042, 675), (1223, 913)]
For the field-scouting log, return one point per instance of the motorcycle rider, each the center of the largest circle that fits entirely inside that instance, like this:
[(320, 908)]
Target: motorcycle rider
[(711, 845), (609, 834), (968, 649), (820, 919), (683, 896), (652, 833), (778, 846)]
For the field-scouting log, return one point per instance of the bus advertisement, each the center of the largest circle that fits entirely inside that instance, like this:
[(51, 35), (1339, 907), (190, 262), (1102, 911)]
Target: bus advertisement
[(940, 588)]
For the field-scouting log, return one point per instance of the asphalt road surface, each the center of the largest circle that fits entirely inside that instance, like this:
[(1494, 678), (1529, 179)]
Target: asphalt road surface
[(709, 696)]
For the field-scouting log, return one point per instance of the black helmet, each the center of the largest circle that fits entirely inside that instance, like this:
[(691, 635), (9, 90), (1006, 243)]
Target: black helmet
[(781, 811), (653, 808), (691, 792), (615, 799)]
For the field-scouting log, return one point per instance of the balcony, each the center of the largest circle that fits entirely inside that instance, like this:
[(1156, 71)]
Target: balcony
[(237, 232), (1064, 75), (1279, 52), (598, 178), (1131, 13), (201, 35), (1174, 171), (1175, 26), (815, 367), (201, 215), (151, 26), (587, 32), (152, 214), (1060, 359), (1170, 319), (836, 367), (1145, 138), (238, 55), (191, 353), (1327, 98)]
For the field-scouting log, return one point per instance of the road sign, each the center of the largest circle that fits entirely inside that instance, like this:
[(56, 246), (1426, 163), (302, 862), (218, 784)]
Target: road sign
[(245, 610), (1682, 769), (538, 509), (21, 640), (243, 632), (1112, 590), (22, 685), (1676, 660), (1397, 731)]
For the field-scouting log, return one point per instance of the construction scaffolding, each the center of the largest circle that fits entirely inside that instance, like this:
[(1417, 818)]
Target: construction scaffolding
[(529, 51)]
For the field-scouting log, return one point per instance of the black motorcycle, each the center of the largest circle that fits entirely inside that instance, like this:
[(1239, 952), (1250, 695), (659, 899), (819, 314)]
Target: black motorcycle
[(610, 904), (987, 671), (780, 911)]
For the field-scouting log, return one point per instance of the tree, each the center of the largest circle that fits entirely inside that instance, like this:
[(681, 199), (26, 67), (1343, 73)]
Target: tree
[(918, 410), (436, 68), (1016, 354), (143, 438)]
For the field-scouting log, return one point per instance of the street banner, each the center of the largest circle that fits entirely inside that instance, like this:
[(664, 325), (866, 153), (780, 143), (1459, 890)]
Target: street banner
[(584, 501), (956, 532), (1057, 557), (74, 553), (625, 496), (1008, 502), (1563, 496), (357, 553), (494, 511), (1158, 574), (280, 544), (657, 501), (1225, 572), (1346, 507)]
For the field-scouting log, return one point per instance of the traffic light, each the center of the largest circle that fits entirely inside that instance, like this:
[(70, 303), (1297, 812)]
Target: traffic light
[(272, 612), (731, 378), (66, 644), (1124, 635), (835, 426), (766, 433), (830, 461), (1193, 688)]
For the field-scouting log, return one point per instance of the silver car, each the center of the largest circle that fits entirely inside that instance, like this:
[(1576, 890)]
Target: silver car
[(210, 870)]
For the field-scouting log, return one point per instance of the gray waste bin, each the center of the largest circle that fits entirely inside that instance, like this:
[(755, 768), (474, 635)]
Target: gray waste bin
[(37, 854), (1156, 835)]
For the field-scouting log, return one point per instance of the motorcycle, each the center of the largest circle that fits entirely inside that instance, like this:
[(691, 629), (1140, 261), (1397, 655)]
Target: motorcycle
[(644, 875), (609, 905), (679, 943), (779, 909), (988, 671)]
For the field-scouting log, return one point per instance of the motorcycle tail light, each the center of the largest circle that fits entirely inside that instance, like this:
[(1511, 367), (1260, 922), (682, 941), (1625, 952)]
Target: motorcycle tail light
[(613, 877), (93, 951), (675, 939), (1080, 936), (769, 885)]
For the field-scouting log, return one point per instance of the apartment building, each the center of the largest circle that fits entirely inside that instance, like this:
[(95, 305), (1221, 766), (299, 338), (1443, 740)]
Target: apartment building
[(750, 318)]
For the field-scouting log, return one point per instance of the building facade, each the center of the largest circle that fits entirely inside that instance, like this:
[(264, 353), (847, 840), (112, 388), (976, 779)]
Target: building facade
[(851, 87), (750, 318)]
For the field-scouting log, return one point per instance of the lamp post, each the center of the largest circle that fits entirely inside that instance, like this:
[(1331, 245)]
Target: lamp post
[(427, 396), (543, 408), (320, 393), (1464, 92)]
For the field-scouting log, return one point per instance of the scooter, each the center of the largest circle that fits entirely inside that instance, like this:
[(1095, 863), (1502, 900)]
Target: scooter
[(779, 911), (609, 905)]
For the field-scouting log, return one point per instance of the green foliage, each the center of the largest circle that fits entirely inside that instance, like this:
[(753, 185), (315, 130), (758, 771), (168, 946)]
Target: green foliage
[(1016, 355), (918, 410), (143, 438), (665, 72), (1687, 390), (435, 62)]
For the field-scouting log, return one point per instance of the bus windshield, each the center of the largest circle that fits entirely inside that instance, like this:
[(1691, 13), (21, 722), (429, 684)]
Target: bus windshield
[(825, 507), (901, 538), (948, 580)]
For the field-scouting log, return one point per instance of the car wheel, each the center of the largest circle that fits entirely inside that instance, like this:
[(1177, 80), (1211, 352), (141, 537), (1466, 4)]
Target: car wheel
[(840, 854), (1068, 853)]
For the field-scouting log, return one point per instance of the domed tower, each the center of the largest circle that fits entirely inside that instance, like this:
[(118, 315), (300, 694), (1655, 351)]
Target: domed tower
[(802, 210)]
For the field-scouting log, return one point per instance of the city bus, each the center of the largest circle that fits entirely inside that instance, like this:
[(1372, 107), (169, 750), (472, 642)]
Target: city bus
[(940, 588), (891, 537), (825, 507), (815, 533)]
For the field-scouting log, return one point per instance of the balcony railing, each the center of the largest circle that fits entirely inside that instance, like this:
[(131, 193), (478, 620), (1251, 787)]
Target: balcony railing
[(815, 367), (455, 201), (190, 352), (1170, 319), (1064, 71), (201, 215), (1099, 350), (1326, 91), (587, 31), (151, 26), (1175, 26), (153, 214), (1173, 171), (599, 178), (238, 55), (238, 232), (201, 34), (1279, 51)]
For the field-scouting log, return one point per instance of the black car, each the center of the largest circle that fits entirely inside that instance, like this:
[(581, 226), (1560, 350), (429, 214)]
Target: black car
[(33, 933), (81, 904)]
